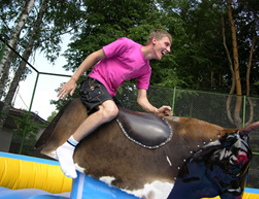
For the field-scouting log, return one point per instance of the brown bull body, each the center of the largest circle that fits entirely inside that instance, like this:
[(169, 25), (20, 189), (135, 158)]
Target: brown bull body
[(108, 152)]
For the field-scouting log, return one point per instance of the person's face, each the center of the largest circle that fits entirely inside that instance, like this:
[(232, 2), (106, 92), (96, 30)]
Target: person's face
[(161, 47)]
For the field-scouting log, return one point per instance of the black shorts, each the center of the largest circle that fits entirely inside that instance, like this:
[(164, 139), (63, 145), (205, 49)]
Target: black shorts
[(93, 93)]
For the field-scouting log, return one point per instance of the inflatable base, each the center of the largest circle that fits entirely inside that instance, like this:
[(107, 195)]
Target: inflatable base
[(6, 193), (27, 177), (86, 187), (24, 177)]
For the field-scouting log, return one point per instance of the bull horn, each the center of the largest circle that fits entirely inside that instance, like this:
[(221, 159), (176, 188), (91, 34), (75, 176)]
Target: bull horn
[(249, 128)]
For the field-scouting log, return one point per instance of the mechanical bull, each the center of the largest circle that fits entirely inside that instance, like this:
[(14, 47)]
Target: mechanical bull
[(144, 156)]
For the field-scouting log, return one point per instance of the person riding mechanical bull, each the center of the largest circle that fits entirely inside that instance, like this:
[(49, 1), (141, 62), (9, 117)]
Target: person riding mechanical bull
[(119, 61)]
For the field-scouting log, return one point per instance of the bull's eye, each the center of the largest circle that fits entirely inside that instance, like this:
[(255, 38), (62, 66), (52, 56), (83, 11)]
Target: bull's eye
[(241, 158)]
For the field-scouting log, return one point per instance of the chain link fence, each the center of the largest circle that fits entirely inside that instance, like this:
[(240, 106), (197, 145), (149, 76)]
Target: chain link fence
[(25, 123)]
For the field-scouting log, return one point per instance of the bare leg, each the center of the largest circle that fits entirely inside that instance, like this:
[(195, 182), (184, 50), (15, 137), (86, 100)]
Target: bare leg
[(107, 111)]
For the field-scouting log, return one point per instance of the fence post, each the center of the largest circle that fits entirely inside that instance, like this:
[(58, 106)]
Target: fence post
[(173, 100), (29, 114)]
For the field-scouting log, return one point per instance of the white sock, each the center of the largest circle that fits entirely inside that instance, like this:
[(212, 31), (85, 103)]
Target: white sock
[(72, 141), (65, 156)]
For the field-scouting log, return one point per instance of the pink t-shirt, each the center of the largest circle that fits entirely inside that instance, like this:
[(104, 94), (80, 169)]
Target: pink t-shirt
[(124, 61)]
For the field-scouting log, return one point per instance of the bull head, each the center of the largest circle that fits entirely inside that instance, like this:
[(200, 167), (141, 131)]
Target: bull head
[(218, 168)]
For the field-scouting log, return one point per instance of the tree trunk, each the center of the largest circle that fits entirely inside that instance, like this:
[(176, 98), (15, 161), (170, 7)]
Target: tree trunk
[(22, 67), (232, 72), (6, 60), (249, 67), (212, 82), (251, 115), (237, 118)]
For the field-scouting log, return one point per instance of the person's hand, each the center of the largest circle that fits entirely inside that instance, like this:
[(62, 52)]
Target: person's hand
[(67, 88), (165, 111)]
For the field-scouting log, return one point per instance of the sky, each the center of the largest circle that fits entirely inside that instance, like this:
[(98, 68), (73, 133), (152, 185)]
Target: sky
[(46, 85)]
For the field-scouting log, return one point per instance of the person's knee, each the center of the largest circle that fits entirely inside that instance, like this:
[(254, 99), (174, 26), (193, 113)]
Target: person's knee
[(107, 111), (110, 112)]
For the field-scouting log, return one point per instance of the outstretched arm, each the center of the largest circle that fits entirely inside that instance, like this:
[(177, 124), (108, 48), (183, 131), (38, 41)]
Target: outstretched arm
[(70, 86), (146, 106)]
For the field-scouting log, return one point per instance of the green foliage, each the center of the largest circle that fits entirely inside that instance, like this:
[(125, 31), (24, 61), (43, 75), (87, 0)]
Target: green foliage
[(197, 60), (108, 21), (51, 117), (30, 136)]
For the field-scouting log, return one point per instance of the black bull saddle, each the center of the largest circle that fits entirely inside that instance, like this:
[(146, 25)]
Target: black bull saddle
[(145, 129)]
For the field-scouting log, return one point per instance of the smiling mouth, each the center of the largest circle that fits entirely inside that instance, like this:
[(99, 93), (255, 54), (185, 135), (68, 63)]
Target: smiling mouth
[(163, 53)]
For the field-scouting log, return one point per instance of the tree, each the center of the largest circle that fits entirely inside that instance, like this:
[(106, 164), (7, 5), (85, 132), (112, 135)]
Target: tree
[(236, 77), (235, 68), (34, 38), (53, 114), (20, 71), (107, 21), (6, 59), (30, 137), (196, 44)]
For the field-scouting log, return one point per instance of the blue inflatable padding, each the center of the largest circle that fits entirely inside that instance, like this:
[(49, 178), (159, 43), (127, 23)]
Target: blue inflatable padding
[(251, 190), (30, 194), (86, 187)]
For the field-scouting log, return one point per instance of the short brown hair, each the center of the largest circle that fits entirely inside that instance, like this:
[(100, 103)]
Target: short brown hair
[(159, 34)]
